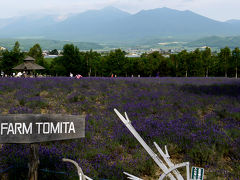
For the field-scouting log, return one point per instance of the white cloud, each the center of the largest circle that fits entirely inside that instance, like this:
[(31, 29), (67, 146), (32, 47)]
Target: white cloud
[(216, 9)]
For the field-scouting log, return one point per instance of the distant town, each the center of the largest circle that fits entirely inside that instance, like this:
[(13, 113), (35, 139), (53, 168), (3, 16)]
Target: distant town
[(131, 53)]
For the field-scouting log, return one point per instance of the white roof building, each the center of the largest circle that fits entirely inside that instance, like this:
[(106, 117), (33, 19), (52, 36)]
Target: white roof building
[(2, 48)]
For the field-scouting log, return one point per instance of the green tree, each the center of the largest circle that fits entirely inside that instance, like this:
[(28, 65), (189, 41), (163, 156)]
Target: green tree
[(199, 65), (16, 48), (11, 58), (95, 63), (183, 58), (54, 52), (103, 69), (57, 68), (36, 53), (174, 61), (72, 61), (164, 68), (151, 63), (92, 59), (134, 66), (236, 60), (225, 58), (206, 57), (115, 62), (195, 63), (129, 67)]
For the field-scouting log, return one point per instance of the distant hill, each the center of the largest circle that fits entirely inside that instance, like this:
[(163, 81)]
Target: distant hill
[(169, 22), (233, 21), (93, 25), (113, 25), (26, 27), (216, 42), (26, 44)]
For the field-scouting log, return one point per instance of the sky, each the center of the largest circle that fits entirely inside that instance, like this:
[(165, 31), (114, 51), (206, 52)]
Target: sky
[(221, 10)]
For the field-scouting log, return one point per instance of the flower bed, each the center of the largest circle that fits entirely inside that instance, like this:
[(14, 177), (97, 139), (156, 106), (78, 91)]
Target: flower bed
[(197, 118)]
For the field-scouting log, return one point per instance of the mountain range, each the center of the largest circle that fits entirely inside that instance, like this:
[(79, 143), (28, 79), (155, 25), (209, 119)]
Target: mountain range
[(113, 25)]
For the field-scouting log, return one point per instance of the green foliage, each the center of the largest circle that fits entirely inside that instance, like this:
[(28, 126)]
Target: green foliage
[(198, 63), (190, 64), (92, 60), (224, 59), (206, 60), (72, 61), (36, 52), (1, 51), (202, 154), (147, 167), (37, 104), (11, 58), (183, 66), (115, 62), (16, 47), (54, 52), (57, 68), (151, 63), (236, 60)]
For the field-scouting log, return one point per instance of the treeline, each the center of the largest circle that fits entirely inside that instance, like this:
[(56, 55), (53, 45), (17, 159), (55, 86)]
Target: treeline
[(10, 59), (197, 63)]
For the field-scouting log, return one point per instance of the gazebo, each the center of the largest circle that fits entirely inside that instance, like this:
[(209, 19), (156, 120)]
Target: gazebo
[(28, 65)]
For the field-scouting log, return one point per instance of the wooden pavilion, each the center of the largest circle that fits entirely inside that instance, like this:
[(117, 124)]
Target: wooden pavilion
[(28, 66)]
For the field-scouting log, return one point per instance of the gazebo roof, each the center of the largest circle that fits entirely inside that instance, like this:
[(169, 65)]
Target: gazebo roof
[(29, 59), (28, 66)]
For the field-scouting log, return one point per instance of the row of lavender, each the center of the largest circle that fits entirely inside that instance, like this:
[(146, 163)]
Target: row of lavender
[(197, 118)]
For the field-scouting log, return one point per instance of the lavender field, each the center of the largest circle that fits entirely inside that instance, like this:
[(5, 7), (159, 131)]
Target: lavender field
[(197, 118)]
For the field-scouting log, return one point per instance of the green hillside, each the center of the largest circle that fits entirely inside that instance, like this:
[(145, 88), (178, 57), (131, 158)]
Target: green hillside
[(26, 44), (216, 42)]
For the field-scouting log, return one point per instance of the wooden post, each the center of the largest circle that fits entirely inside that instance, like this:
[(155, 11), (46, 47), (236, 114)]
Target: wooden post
[(33, 162), (35, 128)]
